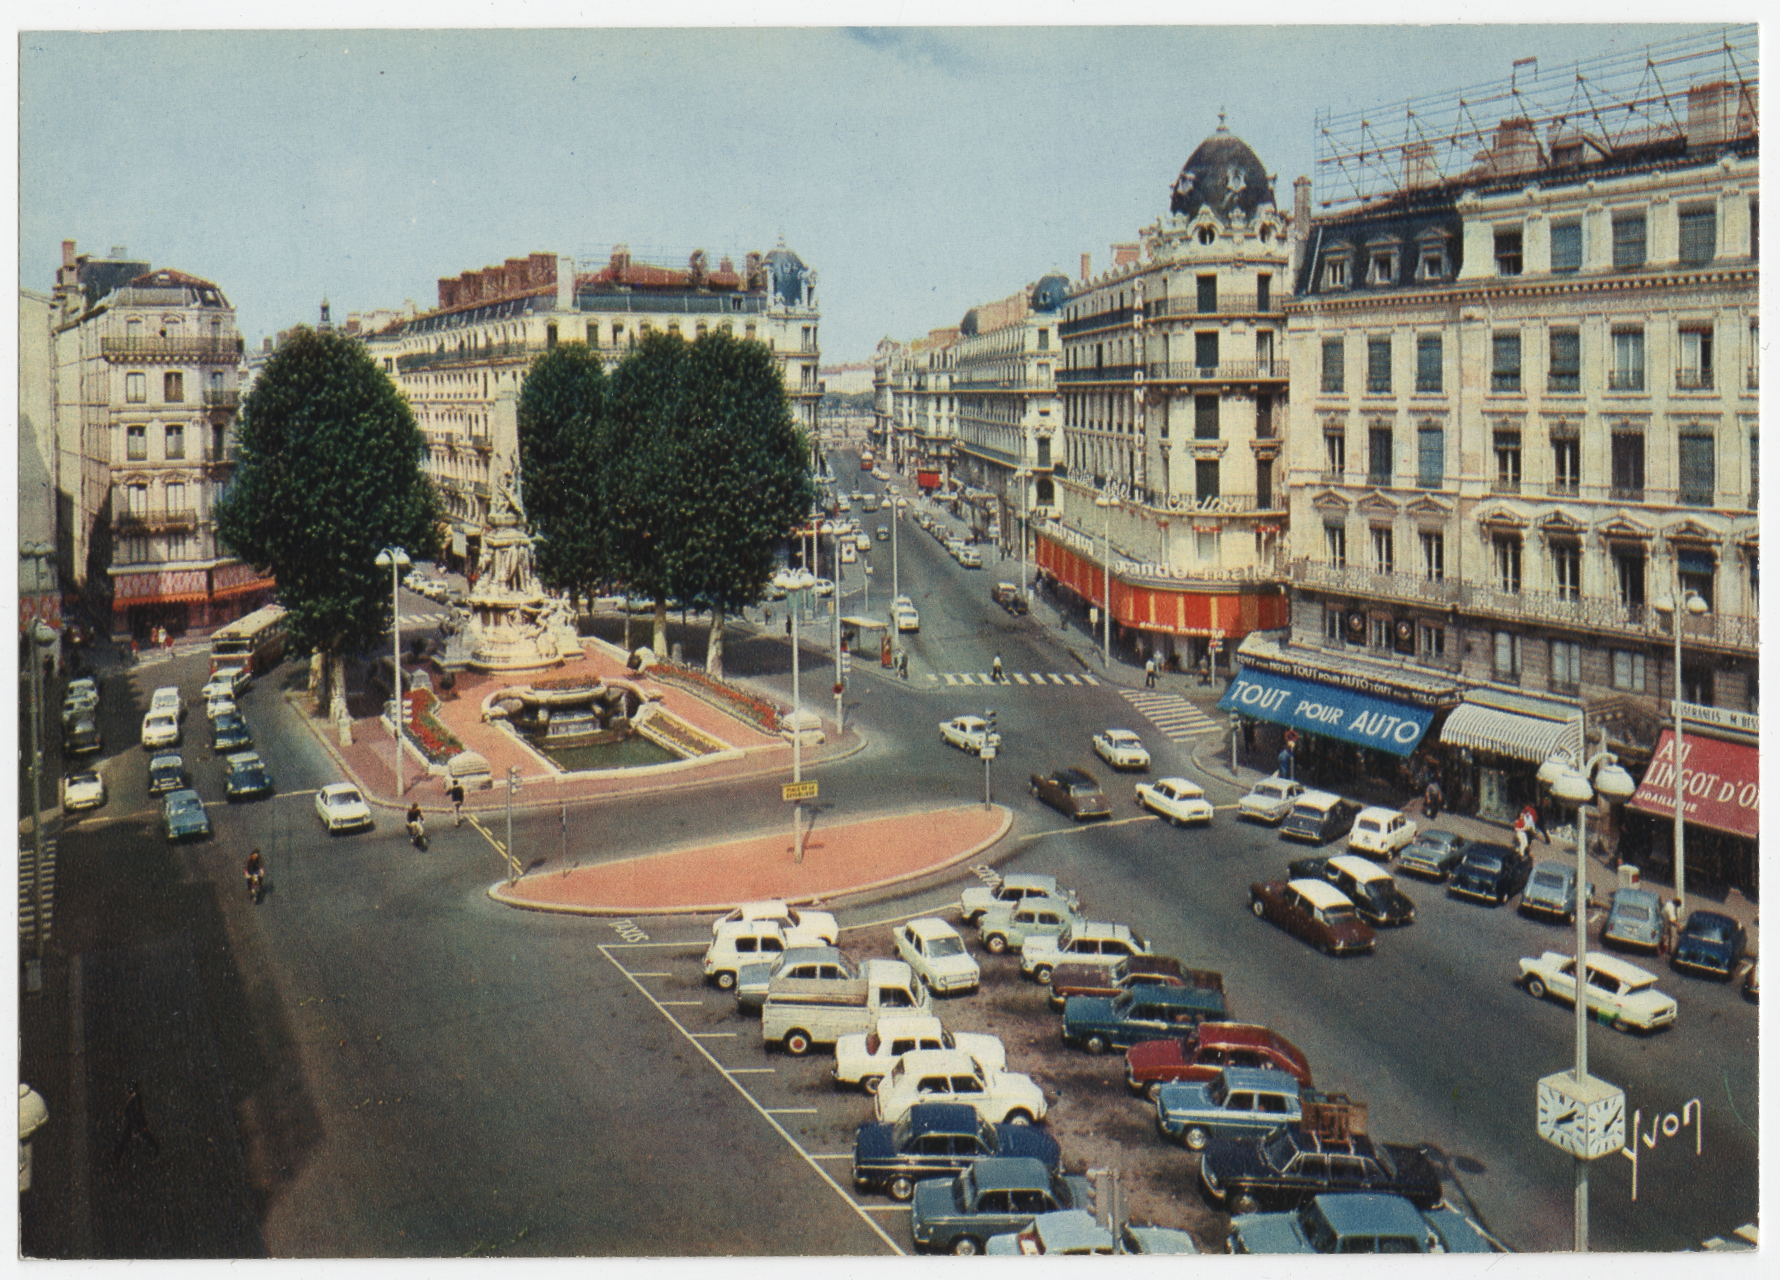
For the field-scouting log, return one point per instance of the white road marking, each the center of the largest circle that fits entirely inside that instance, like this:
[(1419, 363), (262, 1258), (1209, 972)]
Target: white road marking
[(885, 1208), (693, 1003), (753, 1071), (792, 1111), (1019, 679), (713, 1035), (663, 974)]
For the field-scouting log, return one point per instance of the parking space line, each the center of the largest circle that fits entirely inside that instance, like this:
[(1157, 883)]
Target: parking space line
[(605, 949), (663, 974), (712, 1035), (696, 1004), (792, 1111), (753, 1071), (885, 1208), (831, 1155)]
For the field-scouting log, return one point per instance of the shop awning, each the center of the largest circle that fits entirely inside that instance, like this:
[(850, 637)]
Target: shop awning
[(1508, 733), (1313, 707), (1721, 784)]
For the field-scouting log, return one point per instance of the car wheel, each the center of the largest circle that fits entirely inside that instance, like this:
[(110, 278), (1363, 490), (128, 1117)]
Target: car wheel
[(1535, 988), (870, 1084), (1243, 1202), (797, 1043), (1195, 1138), (995, 943), (902, 1187), (1042, 975), (1095, 1044), (1020, 1118), (725, 980), (966, 1247)]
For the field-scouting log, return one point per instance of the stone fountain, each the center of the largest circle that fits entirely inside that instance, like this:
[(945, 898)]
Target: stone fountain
[(513, 625)]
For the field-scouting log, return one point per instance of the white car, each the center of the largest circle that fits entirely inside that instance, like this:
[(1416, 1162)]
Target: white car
[(819, 924), (160, 729), (736, 944), (970, 558), (1380, 833), (866, 1057), (167, 698), (1122, 749), (1086, 942), (953, 1075), (862, 542), (341, 808), (1618, 992), (83, 791), (902, 602), (229, 682), (220, 704), (907, 619), (933, 949), (1176, 799), (1270, 800), (842, 504), (969, 733)]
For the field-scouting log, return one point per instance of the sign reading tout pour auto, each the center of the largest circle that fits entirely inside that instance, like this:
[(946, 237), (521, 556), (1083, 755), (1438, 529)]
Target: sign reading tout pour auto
[(1380, 723)]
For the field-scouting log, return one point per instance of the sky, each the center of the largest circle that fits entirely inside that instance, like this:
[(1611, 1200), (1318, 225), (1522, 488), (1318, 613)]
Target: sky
[(919, 170)]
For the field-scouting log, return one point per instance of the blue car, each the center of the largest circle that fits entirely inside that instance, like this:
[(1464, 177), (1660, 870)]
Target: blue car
[(1357, 1223), (939, 1140), (183, 816), (1710, 943), (1237, 1102), (1634, 920)]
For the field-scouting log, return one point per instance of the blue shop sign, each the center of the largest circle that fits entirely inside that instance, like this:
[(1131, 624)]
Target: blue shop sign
[(1380, 723)]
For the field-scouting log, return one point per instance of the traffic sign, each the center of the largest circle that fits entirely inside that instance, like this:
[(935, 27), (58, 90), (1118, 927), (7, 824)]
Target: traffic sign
[(799, 790), (987, 753)]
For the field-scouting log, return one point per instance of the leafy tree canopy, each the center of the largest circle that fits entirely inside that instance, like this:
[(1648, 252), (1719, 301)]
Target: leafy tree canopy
[(561, 417)]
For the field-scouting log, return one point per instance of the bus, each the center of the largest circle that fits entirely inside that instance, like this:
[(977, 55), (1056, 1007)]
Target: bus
[(255, 642), (866, 461)]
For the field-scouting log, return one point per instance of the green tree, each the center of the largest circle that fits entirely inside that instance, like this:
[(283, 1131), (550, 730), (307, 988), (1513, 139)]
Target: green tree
[(561, 417), (329, 475)]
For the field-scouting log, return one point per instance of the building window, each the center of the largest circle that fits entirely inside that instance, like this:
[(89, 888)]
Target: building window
[(1334, 454), (219, 435), (1699, 235), (1335, 545), (1628, 577), (1698, 475), (1507, 656), (1433, 555), (1335, 366), (1335, 273), (175, 441), (175, 499), (1433, 262), (1507, 462), (1332, 624), (1628, 239), (173, 388), (1264, 484), (1263, 416), (136, 388), (1565, 372), (1380, 632), (1205, 417), (1566, 466), (1383, 269), (1264, 288), (1754, 469), (136, 444), (1044, 339), (1628, 671), (1428, 352), (1378, 461), (137, 497), (1566, 246), (1208, 295), (1205, 478), (1695, 370), (1505, 362), (1383, 550), (1508, 252), (1627, 373), (1507, 550), (1205, 354), (1628, 466), (1430, 455), (1566, 664), (1566, 569), (1205, 545), (1433, 641), (1378, 366)]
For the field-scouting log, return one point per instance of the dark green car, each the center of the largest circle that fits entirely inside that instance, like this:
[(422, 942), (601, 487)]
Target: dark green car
[(183, 816), (991, 1198)]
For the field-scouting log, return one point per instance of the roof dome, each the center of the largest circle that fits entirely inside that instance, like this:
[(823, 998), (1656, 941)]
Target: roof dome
[(788, 274), (968, 326), (1049, 292), (1222, 174)]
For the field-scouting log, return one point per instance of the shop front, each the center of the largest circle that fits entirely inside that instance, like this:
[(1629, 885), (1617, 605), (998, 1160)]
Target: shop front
[(1721, 807), (177, 601), (1493, 745), (1333, 735)]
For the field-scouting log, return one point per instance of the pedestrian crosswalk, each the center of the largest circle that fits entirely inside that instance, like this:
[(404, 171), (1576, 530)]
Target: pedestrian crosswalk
[(1046, 678), (426, 619), (1177, 718), (28, 890)]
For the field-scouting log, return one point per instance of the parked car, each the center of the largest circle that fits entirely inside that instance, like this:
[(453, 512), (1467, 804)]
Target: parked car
[(1551, 890), (183, 816), (220, 704), (823, 1012), (1380, 833), (341, 808), (1710, 943), (940, 1140), (990, 1198), (1122, 749), (969, 733), (228, 682), (819, 923), (953, 1075), (1491, 873), (792, 968), (1008, 596), (1072, 791), (83, 791), (1618, 991), (933, 949), (1011, 891), (1176, 799), (1097, 1023), (1634, 919), (1293, 1163), (1064, 1233), (737, 944), (1205, 1050), (1087, 942), (160, 729), (1752, 982), (1037, 917), (1270, 800), (1368, 886), (167, 698), (1128, 973), (77, 707), (1319, 817), (84, 738), (1433, 854), (1357, 1223), (247, 777), (1315, 911), (907, 618), (1238, 1101), (166, 773), (864, 1058), (824, 587), (230, 733), (970, 558), (83, 687)]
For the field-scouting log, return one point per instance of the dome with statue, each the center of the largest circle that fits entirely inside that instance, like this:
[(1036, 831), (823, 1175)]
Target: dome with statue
[(1224, 175)]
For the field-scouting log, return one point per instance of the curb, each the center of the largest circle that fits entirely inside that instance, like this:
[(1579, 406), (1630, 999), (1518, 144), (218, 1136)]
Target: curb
[(496, 890)]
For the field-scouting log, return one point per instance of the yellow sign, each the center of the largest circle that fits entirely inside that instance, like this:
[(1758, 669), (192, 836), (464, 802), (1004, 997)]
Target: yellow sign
[(800, 790)]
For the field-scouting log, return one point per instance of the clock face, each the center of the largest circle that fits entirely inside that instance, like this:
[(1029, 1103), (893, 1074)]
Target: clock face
[(1606, 1127), (1560, 1121)]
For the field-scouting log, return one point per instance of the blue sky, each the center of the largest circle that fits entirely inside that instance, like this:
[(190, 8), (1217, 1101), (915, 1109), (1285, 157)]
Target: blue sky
[(919, 170)]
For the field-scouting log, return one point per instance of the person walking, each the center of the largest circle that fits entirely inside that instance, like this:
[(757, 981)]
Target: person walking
[(457, 801), (996, 671), (1530, 816), (1671, 924), (1149, 672), (1431, 799), (135, 1121), (1521, 838)]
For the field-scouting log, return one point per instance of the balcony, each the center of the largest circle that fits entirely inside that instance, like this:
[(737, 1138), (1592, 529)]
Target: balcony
[(1119, 317), (1508, 485), (157, 520), (1234, 304), (1104, 373), (1695, 380), (222, 397), (1619, 494), (1625, 380), (966, 382), (1225, 371), (1564, 489), (172, 350)]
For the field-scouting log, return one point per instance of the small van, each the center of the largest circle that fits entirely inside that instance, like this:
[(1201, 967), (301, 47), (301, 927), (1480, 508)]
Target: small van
[(1318, 817), (1380, 833)]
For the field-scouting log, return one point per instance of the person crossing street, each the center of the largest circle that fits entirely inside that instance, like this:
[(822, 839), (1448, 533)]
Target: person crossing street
[(457, 801)]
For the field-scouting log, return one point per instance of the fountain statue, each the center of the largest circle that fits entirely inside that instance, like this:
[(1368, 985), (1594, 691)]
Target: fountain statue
[(514, 626)]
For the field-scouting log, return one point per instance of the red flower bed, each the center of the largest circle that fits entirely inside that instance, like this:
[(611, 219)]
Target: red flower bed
[(567, 682), (749, 706), (435, 741)]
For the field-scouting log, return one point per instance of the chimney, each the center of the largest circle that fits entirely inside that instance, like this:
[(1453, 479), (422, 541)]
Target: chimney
[(1710, 114), (1086, 267), (1517, 147), (1124, 255), (1418, 165), (564, 275), (67, 253)]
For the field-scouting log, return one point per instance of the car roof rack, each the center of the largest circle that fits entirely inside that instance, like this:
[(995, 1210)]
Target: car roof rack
[(1333, 1116)]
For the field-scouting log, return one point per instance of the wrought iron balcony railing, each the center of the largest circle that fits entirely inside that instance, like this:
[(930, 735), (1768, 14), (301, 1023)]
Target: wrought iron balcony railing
[(172, 350)]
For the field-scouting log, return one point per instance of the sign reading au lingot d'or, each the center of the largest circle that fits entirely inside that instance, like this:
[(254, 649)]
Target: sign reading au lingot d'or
[(1380, 723)]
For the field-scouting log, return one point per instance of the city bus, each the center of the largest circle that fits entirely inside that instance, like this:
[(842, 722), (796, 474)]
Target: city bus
[(255, 641)]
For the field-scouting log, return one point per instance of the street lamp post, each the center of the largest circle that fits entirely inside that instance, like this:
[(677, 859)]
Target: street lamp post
[(839, 683), (1106, 502), (1025, 477), (794, 583), (42, 637), (1676, 606), (396, 560)]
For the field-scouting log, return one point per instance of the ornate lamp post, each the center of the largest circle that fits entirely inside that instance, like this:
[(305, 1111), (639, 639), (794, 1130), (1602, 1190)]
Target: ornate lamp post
[(1024, 477), (1692, 602), (794, 582), (1106, 502), (395, 560)]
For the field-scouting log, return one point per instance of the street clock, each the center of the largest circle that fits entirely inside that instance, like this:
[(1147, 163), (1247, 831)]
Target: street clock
[(1585, 1117)]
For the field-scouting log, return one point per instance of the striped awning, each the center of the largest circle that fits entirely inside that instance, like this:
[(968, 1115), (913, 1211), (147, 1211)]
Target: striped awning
[(1507, 733)]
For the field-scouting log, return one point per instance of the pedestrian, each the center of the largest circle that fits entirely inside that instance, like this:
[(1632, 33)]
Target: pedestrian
[(1205, 670), (767, 624), (1530, 816), (133, 650), (135, 1121), (1149, 673), (1431, 799), (457, 801), (1285, 762), (999, 677), (1671, 924), (1520, 834)]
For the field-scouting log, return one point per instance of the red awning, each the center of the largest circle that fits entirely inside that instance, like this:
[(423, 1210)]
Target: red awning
[(1721, 784), (1181, 611)]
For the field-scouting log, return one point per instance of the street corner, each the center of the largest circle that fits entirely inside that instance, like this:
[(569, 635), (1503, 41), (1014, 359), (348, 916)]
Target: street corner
[(839, 861)]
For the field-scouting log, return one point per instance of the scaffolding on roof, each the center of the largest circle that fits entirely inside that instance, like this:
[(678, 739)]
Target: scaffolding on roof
[(1605, 104)]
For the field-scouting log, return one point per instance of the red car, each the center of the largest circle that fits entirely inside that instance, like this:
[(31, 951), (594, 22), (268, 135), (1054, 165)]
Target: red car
[(1316, 911), (1206, 1050)]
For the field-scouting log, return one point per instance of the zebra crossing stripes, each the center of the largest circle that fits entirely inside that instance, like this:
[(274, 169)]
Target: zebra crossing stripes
[(1177, 718), (27, 888), (425, 619), (1046, 678)]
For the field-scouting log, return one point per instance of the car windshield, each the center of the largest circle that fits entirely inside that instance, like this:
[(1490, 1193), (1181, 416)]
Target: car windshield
[(899, 1133), (1217, 1091), (1266, 792), (1549, 879), (1710, 928), (1340, 915), (342, 798), (1083, 789), (939, 947), (84, 780)]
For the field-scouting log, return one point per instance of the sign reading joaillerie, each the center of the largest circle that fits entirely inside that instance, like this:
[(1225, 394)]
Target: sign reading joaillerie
[(1380, 723)]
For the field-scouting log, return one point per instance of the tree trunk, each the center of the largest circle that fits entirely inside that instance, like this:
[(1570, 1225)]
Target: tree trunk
[(714, 646), (318, 676), (337, 687), (661, 627)]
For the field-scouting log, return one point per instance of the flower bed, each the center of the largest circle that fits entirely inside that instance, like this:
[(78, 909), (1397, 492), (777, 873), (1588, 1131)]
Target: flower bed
[(668, 730), (437, 743), (560, 684), (756, 710)]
